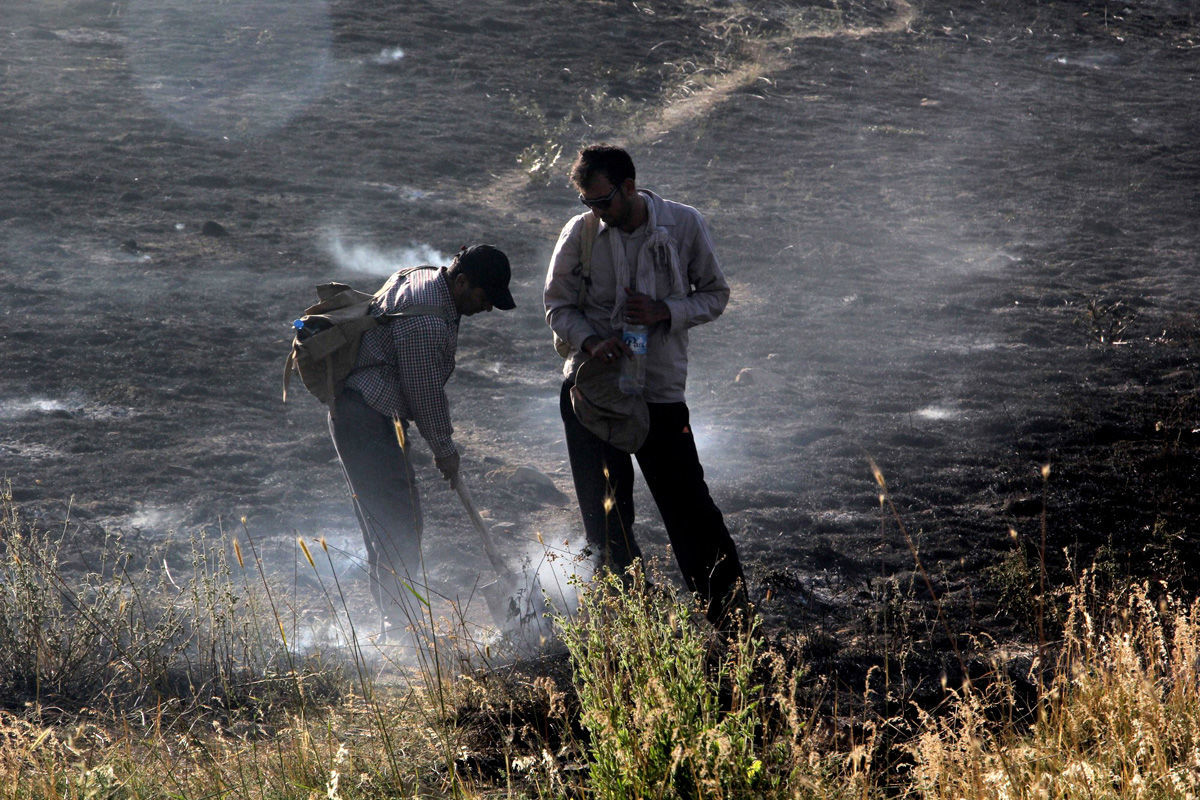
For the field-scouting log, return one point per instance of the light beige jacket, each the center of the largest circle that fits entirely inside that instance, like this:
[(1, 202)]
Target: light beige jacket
[(696, 293)]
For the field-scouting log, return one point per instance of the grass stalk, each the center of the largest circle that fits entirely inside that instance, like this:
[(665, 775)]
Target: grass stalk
[(885, 500)]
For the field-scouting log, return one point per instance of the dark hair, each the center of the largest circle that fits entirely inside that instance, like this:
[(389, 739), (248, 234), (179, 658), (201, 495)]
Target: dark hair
[(455, 267), (601, 159)]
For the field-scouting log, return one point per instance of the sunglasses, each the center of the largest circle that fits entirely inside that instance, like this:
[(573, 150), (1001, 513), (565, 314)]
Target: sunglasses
[(600, 203)]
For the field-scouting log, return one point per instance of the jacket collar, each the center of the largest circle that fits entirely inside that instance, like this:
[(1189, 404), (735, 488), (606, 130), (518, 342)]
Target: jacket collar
[(661, 212)]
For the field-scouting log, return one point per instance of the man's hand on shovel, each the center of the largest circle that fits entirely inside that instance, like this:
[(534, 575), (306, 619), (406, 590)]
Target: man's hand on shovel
[(448, 465)]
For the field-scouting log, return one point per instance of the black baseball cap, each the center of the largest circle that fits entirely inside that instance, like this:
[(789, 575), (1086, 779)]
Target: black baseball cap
[(487, 268)]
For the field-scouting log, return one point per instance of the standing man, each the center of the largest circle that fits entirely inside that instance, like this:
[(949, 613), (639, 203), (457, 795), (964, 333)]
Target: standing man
[(651, 263), (400, 377)]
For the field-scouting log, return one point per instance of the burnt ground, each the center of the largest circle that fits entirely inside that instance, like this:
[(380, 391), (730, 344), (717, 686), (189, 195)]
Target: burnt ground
[(961, 235)]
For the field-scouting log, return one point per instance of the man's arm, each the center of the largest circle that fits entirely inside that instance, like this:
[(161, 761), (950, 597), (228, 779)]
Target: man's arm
[(709, 292), (424, 368), (561, 292)]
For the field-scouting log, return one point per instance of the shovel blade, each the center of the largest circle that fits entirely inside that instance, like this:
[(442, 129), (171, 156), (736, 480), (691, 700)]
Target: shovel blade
[(515, 599), (518, 608)]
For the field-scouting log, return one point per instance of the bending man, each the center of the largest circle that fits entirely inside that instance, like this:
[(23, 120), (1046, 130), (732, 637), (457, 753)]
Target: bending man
[(400, 377)]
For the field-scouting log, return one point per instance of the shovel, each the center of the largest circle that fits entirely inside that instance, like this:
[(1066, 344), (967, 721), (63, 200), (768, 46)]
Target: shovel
[(515, 600)]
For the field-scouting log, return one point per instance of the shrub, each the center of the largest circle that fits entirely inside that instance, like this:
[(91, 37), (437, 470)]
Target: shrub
[(674, 712)]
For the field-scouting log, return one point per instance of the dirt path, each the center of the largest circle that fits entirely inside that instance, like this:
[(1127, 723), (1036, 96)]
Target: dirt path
[(766, 56)]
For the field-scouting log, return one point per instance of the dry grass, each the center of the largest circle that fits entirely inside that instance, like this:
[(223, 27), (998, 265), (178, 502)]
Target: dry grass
[(140, 684), (1119, 718)]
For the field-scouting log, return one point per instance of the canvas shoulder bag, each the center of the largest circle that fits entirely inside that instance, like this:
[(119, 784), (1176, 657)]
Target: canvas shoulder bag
[(326, 337)]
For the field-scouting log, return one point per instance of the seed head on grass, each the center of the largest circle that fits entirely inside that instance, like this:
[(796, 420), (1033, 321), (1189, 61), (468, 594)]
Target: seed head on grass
[(878, 474), (307, 555)]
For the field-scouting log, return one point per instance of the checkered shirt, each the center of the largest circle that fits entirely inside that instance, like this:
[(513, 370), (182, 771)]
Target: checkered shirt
[(403, 366)]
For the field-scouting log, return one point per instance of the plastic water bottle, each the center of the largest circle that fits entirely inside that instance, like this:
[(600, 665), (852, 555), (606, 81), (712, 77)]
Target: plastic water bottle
[(303, 329), (633, 367)]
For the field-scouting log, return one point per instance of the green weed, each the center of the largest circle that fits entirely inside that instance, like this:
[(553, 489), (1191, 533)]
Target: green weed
[(673, 710)]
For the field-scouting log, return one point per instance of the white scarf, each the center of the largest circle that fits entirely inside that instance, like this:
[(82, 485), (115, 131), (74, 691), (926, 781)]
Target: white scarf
[(658, 253)]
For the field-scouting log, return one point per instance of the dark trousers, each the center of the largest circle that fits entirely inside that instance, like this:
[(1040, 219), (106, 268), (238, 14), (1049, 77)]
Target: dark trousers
[(386, 502), (703, 548)]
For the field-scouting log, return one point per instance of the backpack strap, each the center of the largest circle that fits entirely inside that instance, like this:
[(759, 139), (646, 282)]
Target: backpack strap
[(418, 311), (400, 276), (591, 224), (289, 366), (425, 310)]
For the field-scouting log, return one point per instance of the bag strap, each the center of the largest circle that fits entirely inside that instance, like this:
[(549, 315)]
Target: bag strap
[(289, 366), (398, 277), (428, 310), (591, 224)]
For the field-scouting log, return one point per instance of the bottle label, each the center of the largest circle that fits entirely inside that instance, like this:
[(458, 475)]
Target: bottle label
[(636, 341)]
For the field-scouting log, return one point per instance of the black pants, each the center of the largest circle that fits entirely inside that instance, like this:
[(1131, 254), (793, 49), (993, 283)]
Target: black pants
[(386, 502), (703, 547)]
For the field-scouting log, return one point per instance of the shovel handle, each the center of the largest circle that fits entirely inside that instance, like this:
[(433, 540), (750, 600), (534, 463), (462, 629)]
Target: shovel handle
[(464, 494)]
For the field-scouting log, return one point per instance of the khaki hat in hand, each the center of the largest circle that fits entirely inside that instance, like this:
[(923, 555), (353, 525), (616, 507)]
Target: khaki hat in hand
[(622, 420)]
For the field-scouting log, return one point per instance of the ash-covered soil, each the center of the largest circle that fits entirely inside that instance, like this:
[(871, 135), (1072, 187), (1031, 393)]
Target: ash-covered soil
[(961, 235)]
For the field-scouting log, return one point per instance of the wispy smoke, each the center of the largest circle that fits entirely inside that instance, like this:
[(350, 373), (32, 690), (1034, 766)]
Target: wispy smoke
[(15, 409), (561, 567), (389, 55), (369, 260)]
